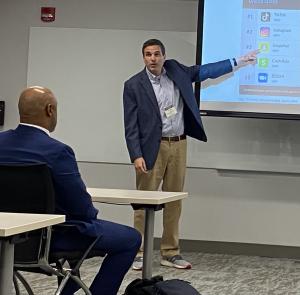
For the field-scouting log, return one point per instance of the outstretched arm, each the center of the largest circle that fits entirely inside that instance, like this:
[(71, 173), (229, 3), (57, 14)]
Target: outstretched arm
[(247, 59), (217, 69)]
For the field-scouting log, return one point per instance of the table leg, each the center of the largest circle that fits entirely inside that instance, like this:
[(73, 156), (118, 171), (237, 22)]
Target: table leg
[(6, 267), (148, 243)]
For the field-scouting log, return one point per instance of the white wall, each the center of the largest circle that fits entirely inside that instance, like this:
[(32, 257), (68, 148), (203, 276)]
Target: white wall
[(223, 205), (94, 72)]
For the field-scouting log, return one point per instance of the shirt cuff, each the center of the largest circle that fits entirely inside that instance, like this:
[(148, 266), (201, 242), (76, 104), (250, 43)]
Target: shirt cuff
[(233, 62)]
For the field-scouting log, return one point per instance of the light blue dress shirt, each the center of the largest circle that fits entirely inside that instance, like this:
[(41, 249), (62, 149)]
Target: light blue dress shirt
[(167, 95)]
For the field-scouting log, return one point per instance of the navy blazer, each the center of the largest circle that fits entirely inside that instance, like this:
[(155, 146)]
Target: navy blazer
[(28, 144), (142, 119)]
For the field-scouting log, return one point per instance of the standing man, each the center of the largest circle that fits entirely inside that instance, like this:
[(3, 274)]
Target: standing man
[(30, 142), (160, 110)]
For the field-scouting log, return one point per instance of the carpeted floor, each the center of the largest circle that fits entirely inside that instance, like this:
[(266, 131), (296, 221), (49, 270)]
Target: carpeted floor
[(212, 274)]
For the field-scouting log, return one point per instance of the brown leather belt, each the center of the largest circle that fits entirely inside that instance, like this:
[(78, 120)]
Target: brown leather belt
[(174, 138)]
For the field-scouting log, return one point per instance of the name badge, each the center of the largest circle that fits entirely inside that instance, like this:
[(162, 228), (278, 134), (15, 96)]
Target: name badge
[(170, 111)]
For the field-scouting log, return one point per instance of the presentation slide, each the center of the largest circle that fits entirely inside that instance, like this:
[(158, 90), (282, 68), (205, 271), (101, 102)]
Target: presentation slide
[(233, 28)]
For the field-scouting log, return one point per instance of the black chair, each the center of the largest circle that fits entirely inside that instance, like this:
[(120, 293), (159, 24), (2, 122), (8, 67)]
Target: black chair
[(28, 188)]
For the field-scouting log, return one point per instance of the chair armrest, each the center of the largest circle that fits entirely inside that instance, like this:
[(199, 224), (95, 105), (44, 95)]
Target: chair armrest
[(19, 238), (76, 257)]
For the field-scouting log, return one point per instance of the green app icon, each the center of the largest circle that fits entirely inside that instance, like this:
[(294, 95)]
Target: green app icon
[(263, 62), (264, 47)]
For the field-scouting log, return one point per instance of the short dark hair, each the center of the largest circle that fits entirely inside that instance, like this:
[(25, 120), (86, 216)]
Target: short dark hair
[(152, 42)]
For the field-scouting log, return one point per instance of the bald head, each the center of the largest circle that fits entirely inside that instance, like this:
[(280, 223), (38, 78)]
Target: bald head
[(37, 105)]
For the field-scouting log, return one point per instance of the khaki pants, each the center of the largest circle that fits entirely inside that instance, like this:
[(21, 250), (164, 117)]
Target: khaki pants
[(169, 169)]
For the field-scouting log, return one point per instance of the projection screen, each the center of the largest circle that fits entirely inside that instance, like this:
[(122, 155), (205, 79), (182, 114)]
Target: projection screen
[(271, 87)]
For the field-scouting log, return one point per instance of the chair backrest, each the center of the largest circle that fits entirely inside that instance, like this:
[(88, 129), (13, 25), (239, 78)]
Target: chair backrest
[(27, 188)]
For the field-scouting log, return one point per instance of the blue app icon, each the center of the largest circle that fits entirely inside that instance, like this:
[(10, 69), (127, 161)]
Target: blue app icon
[(262, 77)]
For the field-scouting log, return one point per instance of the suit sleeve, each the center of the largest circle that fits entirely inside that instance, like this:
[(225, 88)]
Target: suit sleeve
[(199, 73), (214, 70), (131, 123), (72, 199)]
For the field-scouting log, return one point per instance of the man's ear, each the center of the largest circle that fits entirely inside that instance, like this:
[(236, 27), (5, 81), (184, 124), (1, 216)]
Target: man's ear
[(49, 110)]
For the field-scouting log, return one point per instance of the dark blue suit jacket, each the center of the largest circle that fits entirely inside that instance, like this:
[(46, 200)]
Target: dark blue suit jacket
[(27, 144), (143, 125)]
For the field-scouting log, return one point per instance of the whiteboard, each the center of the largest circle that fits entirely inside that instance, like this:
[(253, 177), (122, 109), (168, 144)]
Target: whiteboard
[(86, 70)]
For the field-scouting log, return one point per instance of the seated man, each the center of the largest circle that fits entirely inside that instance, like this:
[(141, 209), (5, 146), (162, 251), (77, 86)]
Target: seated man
[(30, 142)]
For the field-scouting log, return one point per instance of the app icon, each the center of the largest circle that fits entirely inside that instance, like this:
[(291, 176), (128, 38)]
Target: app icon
[(263, 62), (265, 17), (262, 77), (264, 32), (264, 47)]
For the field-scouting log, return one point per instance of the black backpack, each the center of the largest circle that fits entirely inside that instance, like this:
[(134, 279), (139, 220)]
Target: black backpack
[(157, 286)]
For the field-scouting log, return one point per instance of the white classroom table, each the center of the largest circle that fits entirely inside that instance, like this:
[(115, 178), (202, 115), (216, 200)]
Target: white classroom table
[(12, 224), (151, 201)]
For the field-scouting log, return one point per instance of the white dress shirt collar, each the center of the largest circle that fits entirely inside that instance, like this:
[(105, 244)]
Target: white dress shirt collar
[(38, 127), (154, 78)]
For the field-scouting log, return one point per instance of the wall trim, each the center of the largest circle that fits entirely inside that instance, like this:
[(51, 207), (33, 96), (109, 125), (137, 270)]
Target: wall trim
[(272, 251)]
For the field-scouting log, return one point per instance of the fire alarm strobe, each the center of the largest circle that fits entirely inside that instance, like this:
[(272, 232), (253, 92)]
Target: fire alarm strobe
[(48, 14)]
